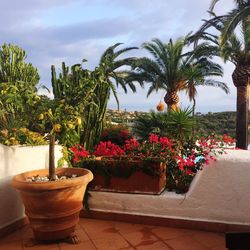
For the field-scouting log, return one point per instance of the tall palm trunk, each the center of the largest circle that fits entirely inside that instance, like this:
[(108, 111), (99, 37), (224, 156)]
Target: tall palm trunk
[(194, 105), (241, 79), (172, 100)]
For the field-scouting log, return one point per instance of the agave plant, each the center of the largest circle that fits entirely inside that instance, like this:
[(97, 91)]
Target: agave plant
[(176, 124)]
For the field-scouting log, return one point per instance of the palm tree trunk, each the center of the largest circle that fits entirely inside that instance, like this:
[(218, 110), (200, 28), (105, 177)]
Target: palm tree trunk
[(242, 116), (172, 100), (241, 80), (193, 108)]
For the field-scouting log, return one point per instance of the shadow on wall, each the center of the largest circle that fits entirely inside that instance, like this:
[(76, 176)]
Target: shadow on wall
[(15, 160)]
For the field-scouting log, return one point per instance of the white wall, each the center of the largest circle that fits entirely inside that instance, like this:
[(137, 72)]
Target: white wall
[(15, 160), (219, 193)]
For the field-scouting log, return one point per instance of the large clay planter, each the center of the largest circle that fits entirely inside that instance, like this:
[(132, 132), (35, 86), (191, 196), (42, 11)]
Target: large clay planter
[(53, 207), (139, 181)]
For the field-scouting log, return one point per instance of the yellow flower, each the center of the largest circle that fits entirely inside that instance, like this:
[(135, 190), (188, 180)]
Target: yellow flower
[(70, 125), (37, 97), (13, 141), (24, 130), (57, 128), (79, 121), (41, 117), (5, 132)]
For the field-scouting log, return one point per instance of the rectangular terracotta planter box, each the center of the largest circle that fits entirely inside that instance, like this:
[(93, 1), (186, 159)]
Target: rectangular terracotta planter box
[(128, 176)]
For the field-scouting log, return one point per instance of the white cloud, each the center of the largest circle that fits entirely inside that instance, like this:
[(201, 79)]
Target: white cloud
[(130, 21)]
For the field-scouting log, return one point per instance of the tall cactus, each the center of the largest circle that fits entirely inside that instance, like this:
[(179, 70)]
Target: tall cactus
[(13, 67), (18, 81), (86, 91)]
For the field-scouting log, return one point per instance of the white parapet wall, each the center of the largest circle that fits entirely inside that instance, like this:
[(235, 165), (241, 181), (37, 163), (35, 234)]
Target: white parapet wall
[(219, 193), (15, 160)]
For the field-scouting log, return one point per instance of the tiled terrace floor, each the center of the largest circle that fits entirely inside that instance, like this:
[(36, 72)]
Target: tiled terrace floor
[(108, 235)]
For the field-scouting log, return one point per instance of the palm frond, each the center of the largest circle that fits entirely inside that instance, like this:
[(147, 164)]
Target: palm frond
[(232, 20), (218, 84)]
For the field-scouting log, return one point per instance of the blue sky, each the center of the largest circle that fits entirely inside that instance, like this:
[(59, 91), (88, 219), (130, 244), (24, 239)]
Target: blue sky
[(52, 31)]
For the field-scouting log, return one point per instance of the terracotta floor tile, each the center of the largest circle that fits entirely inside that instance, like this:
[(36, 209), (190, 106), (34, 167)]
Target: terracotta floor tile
[(42, 246), (90, 223), (166, 233), (123, 227), (96, 230), (140, 238), (86, 245), (14, 245), (158, 245), (115, 243), (101, 235), (219, 248), (108, 235), (185, 243), (209, 239), (14, 236)]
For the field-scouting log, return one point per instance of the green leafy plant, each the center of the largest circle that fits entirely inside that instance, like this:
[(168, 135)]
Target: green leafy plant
[(176, 124), (116, 134)]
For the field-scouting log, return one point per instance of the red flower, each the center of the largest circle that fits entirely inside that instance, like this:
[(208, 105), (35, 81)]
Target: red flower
[(108, 149), (79, 152), (153, 138), (131, 144), (165, 142)]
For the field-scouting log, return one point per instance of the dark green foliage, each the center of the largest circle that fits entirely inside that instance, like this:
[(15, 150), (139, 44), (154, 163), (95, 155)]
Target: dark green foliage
[(180, 125), (86, 92), (148, 123), (122, 168), (111, 64), (18, 91), (14, 69), (218, 123), (176, 124), (116, 134)]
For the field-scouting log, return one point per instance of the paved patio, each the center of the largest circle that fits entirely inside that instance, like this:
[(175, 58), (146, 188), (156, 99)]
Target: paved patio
[(108, 235)]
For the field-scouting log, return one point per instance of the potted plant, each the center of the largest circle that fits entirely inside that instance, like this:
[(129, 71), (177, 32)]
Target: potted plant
[(133, 168), (53, 199)]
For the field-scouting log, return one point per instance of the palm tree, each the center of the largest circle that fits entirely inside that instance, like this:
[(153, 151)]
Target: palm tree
[(111, 65), (173, 70), (198, 68), (164, 70), (235, 49)]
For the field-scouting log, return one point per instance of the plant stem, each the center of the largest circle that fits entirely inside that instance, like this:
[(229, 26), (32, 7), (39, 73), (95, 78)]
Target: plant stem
[(52, 174)]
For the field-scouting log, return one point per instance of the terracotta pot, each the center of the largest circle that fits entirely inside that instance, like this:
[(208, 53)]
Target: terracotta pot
[(137, 182), (53, 207)]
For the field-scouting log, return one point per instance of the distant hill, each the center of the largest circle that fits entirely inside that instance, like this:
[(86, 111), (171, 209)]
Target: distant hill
[(219, 122)]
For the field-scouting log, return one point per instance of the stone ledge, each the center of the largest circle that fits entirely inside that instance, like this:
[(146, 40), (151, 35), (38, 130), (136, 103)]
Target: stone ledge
[(166, 222)]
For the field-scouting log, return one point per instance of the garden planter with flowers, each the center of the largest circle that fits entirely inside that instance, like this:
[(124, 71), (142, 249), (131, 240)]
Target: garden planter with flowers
[(133, 168), (148, 167), (129, 176)]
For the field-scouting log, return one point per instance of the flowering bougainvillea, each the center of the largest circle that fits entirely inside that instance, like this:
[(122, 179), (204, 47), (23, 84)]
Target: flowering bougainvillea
[(183, 162)]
